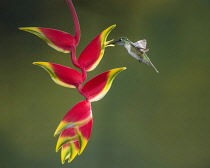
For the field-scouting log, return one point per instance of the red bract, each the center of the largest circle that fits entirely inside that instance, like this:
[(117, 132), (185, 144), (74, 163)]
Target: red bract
[(59, 40), (75, 128), (66, 136), (79, 115), (62, 75), (70, 149), (93, 53), (96, 88), (72, 141), (84, 135)]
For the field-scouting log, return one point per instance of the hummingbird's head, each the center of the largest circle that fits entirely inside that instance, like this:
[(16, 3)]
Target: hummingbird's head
[(121, 41)]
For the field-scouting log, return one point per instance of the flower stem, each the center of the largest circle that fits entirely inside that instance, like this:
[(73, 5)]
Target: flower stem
[(74, 58), (76, 21), (84, 74), (79, 88)]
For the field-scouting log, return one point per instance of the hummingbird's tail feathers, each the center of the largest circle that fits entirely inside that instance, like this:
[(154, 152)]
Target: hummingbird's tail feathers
[(153, 67), (148, 62)]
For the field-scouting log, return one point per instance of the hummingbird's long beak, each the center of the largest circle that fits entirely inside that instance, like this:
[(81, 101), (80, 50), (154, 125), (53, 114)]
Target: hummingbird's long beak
[(114, 43)]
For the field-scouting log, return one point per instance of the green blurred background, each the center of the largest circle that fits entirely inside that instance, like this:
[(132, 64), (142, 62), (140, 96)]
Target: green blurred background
[(147, 120)]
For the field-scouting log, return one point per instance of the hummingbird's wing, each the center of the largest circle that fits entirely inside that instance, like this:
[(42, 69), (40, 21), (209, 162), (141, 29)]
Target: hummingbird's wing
[(141, 44)]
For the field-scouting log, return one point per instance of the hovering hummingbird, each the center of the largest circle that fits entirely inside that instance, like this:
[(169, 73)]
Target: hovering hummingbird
[(137, 50)]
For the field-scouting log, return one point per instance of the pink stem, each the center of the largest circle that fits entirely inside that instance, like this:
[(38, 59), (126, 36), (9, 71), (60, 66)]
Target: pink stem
[(79, 88), (76, 21), (76, 63), (84, 74), (73, 57)]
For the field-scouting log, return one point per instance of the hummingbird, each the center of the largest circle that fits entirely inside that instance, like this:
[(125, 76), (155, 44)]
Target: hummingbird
[(137, 50)]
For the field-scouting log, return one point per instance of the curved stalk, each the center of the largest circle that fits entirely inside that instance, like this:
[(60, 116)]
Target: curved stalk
[(76, 21)]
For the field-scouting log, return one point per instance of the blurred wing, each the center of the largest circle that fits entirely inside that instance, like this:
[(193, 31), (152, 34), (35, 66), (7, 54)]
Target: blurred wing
[(141, 44)]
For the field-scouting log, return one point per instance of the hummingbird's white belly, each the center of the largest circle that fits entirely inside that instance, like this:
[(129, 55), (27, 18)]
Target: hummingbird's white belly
[(128, 47)]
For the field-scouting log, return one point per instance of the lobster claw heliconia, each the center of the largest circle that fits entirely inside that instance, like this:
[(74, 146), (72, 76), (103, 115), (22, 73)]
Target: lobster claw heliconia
[(74, 129), (62, 75)]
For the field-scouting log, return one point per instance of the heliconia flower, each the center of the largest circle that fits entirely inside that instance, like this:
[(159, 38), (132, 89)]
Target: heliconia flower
[(96, 88), (75, 129), (66, 152), (78, 116), (76, 126), (66, 136), (73, 141), (70, 149), (83, 134), (93, 53), (59, 40), (62, 75)]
